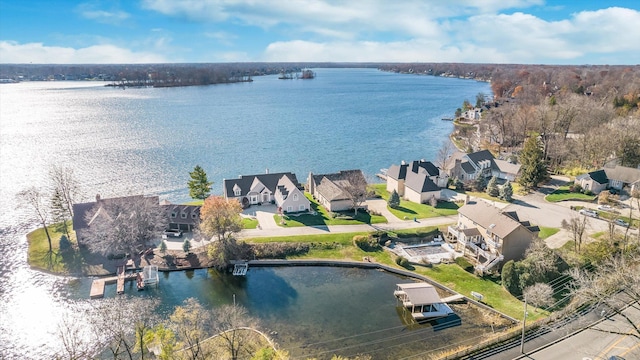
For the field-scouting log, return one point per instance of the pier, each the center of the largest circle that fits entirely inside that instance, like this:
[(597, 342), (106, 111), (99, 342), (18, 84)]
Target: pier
[(240, 269), (149, 276)]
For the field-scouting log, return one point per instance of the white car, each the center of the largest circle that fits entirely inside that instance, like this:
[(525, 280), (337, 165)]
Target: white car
[(605, 207), (589, 212)]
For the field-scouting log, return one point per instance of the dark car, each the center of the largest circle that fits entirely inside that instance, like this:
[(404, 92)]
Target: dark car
[(173, 233)]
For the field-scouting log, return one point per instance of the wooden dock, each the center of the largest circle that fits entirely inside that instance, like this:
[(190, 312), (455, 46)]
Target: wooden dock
[(454, 298), (98, 285)]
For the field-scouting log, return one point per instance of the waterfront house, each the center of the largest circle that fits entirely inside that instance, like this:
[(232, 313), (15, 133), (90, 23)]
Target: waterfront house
[(281, 189), (491, 235), (335, 191), (418, 181), (610, 177), (483, 163), (85, 213), (181, 217)]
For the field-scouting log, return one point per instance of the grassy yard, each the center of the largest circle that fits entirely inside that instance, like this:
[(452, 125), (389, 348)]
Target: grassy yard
[(248, 223), (410, 210), (195, 202), (340, 246), (562, 194), (39, 257), (322, 217), (545, 232)]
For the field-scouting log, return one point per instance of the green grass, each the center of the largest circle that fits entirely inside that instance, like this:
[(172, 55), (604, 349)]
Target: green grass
[(195, 202), (562, 194), (452, 276), (545, 232), (323, 217), (410, 210), (484, 195), (39, 257), (248, 223)]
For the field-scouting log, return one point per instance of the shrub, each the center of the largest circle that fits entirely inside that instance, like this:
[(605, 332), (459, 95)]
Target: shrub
[(394, 199), (575, 188), (464, 264), (510, 278), (588, 192), (65, 244), (402, 261), (279, 250), (366, 242)]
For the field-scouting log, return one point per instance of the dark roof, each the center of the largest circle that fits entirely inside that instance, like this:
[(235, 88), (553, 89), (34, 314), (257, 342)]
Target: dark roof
[(467, 167), (599, 176), (270, 181), (175, 214), (398, 172), (478, 156), (431, 169), (420, 183), (622, 173), (81, 210)]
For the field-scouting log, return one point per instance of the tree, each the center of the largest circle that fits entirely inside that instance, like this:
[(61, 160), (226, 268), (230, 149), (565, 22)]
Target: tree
[(220, 217), (355, 187), (443, 158), (433, 201), (510, 278), (33, 199), (163, 247), (189, 323), (539, 294), (124, 225), (506, 191), (186, 246), (60, 212), (199, 185), (492, 187), (65, 187), (577, 226), (466, 105), (228, 324), (534, 168), (458, 112), (479, 183), (480, 99), (394, 199)]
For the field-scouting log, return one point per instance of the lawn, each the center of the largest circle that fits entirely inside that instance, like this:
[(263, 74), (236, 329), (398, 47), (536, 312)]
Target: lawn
[(197, 202), (322, 217), (39, 257), (545, 232), (248, 223), (410, 210), (562, 194)]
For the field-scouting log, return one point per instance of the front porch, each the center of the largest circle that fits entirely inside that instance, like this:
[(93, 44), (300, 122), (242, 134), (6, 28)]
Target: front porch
[(474, 246)]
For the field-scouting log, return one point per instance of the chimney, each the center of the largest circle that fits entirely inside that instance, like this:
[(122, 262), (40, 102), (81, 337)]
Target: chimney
[(97, 197), (403, 162), (267, 171)]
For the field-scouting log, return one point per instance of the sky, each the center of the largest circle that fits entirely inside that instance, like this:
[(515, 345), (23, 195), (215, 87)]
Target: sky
[(205, 31)]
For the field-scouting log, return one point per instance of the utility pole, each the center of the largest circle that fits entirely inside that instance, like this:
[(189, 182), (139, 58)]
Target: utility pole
[(524, 324)]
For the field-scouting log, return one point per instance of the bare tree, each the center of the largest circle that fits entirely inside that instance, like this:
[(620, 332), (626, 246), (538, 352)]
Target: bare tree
[(75, 340), (539, 294), (577, 226), (443, 158), (124, 225), (354, 185), (229, 323), (190, 323), (66, 186), (33, 199)]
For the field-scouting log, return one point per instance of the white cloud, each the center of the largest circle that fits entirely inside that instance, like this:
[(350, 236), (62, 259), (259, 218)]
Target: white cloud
[(91, 12), (222, 37), (12, 52)]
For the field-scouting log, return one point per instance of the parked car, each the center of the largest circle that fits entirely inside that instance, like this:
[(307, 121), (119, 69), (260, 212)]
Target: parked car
[(173, 233), (621, 222), (605, 208), (589, 212)]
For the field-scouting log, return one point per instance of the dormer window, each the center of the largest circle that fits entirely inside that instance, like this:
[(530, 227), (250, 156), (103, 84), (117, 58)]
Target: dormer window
[(295, 197), (237, 191), (193, 216), (173, 214), (184, 215)]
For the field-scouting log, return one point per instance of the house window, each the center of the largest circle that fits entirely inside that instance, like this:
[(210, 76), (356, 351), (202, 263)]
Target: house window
[(193, 216), (301, 208), (173, 214), (289, 208), (237, 192), (254, 199), (184, 215), (295, 197)]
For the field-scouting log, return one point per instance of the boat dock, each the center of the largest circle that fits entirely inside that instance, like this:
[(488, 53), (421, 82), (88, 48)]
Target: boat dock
[(149, 276), (240, 269)]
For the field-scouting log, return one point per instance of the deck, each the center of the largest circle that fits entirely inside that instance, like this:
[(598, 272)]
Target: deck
[(98, 285)]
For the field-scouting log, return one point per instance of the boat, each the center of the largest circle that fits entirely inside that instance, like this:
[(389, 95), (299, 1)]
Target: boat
[(139, 282), (447, 119), (285, 76), (422, 301)]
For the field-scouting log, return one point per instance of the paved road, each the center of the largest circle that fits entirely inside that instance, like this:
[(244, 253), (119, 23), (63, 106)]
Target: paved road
[(613, 336)]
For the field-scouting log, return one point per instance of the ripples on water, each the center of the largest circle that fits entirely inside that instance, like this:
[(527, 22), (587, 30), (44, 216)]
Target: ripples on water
[(147, 140)]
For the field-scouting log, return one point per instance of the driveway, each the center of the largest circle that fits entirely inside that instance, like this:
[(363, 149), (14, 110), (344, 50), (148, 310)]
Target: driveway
[(380, 206), (264, 215)]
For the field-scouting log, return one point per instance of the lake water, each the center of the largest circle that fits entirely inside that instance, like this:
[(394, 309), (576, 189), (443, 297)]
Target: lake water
[(122, 142)]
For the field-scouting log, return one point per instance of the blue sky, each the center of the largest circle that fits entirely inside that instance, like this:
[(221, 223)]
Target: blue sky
[(475, 31)]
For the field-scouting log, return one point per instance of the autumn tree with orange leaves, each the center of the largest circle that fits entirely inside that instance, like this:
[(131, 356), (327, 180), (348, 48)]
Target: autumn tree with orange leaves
[(220, 217)]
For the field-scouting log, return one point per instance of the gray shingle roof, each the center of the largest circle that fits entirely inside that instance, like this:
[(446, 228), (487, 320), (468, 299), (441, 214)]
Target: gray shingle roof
[(420, 183), (467, 167), (490, 217), (625, 174), (81, 210), (397, 172), (478, 156), (270, 181), (599, 176)]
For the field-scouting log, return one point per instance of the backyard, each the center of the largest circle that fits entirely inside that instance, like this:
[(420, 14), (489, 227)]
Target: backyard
[(410, 210)]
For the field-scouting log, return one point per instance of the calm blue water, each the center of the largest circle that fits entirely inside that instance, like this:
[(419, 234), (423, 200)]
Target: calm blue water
[(122, 142)]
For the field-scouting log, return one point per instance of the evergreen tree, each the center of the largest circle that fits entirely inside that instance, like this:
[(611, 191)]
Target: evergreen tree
[(506, 191), (60, 212), (492, 187), (480, 183), (199, 185), (186, 246), (163, 247), (394, 199), (534, 168)]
